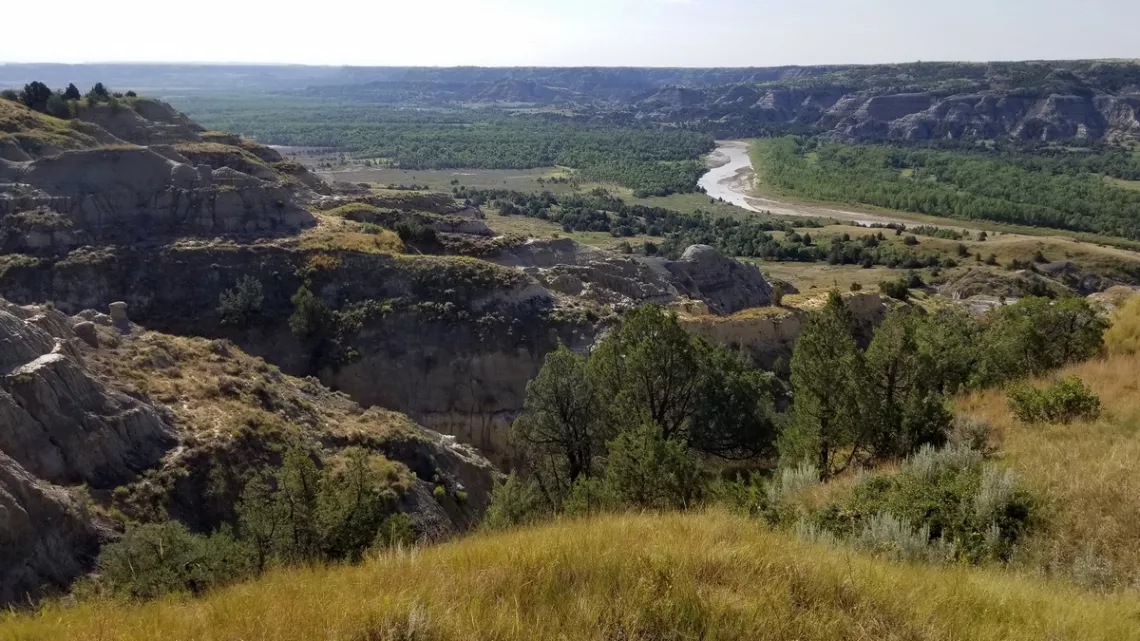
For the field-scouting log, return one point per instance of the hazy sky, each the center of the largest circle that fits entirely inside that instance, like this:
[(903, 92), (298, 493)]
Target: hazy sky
[(567, 32)]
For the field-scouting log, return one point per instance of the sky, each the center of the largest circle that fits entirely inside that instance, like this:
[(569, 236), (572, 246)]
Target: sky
[(690, 33)]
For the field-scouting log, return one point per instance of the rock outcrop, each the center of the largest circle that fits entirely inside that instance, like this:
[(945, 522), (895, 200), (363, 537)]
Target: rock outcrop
[(139, 171), (59, 425), (67, 422), (46, 537), (134, 192), (725, 285)]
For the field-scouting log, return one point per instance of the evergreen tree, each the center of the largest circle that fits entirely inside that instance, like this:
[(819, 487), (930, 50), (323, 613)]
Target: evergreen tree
[(828, 378)]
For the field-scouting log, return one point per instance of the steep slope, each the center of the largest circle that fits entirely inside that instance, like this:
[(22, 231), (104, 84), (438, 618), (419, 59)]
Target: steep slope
[(700, 575), (159, 424)]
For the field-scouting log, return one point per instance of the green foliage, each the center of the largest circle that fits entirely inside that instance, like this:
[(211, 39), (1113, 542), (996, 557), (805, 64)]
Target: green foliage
[(58, 107), (98, 94), (303, 513), (154, 559), (601, 211), (241, 305), (646, 469), (896, 289), (395, 530), (300, 513), (36, 95), (966, 509), (653, 160), (904, 394), (828, 381), (411, 231), (561, 431), (624, 427), (72, 92), (1036, 335), (652, 370), (515, 501), (311, 317), (1058, 189), (1063, 402)]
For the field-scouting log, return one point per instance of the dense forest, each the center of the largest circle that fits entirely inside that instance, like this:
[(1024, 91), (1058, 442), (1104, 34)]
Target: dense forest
[(1054, 188), (651, 160)]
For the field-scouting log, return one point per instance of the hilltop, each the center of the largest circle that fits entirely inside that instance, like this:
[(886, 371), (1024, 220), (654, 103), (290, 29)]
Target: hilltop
[(702, 575)]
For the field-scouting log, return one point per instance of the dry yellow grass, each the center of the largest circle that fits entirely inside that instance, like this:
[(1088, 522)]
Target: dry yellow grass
[(1124, 335), (674, 576), (333, 233), (1086, 472), (212, 388)]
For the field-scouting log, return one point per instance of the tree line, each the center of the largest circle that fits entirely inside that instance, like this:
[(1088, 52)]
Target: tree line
[(62, 103), (646, 417), (1041, 190)]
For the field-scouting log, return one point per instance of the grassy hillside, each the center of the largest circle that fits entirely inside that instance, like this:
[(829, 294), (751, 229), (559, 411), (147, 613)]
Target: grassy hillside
[(709, 575), (1085, 471)]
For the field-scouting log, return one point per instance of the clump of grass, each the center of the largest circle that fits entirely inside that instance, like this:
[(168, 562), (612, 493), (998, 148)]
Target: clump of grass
[(697, 575)]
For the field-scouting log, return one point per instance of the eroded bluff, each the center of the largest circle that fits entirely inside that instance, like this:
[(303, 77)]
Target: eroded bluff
[(97, 412)]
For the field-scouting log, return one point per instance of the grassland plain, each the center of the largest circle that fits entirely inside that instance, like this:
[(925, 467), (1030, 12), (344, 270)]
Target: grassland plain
[(706, 575)]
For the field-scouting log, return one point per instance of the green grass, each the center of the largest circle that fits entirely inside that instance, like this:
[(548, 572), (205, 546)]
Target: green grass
[(675, 576), (36, 132)]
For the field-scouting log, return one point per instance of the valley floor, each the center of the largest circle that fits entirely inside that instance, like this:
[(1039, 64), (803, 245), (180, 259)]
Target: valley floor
[(699, 575)]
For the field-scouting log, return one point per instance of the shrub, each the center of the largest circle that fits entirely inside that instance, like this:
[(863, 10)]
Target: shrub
[(1062, 402), (647, 470), (792, 480), (240, 305), (396, 530), (413, 232), (887, 535), (896, 289), (36, 95), (515, 501), (590, 495), (971, 433), (965, 509), (311, 316), (58, 107), (154, 559)]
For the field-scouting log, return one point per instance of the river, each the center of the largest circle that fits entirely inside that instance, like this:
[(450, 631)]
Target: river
[(730, 177)]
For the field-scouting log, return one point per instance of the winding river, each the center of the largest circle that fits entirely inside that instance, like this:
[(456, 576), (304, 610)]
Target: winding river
[(730, 177)]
